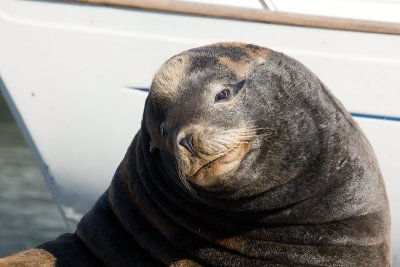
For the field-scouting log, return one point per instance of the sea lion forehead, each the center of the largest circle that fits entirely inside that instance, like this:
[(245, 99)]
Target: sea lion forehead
[(236, 56), (234, 51), (233, 55)]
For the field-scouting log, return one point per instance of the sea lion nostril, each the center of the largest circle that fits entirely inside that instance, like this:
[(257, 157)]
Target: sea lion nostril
[(187, 142)]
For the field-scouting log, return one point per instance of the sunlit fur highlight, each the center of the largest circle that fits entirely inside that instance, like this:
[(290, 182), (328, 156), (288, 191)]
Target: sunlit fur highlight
[(167, 80)]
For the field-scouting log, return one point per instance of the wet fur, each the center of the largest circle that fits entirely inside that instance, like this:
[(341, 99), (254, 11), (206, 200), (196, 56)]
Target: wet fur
[(308, 191)]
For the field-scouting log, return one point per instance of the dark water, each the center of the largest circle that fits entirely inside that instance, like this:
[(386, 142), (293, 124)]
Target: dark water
[(28, 214)]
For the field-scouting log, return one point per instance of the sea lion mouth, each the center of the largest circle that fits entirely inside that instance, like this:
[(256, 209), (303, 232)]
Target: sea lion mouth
[(207, 165), (216, 170)]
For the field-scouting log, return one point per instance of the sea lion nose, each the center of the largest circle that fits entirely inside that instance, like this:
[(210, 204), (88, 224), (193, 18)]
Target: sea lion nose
[(187, 142)]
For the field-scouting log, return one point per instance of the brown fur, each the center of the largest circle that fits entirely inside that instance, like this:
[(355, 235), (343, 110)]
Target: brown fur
[(275, 173)]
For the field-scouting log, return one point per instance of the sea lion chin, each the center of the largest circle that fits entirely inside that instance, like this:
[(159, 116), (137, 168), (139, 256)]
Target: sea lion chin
[(244, 158)]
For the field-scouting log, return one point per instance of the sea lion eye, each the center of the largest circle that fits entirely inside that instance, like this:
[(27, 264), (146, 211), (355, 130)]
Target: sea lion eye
[(163, 132), (223, 95)]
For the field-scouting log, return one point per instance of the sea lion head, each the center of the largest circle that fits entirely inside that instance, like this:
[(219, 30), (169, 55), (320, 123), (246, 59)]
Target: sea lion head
[(233, 117)]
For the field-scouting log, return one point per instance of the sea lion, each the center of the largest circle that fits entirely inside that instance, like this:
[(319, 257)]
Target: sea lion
[(244, 158)]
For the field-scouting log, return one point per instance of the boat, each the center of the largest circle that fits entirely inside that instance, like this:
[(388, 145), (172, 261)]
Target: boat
[(75, 74)]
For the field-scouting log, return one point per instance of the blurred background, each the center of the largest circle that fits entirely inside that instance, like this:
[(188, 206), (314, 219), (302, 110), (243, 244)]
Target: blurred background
[(28, 213)]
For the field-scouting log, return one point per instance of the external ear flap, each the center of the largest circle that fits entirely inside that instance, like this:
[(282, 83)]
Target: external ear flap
[(256, 61)]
